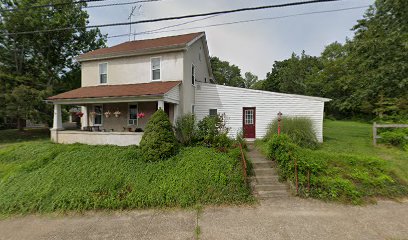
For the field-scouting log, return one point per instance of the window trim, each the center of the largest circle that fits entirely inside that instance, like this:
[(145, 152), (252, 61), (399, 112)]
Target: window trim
[(128, 114), (151, 69), (99, 73), (102, 114), (193, 74)]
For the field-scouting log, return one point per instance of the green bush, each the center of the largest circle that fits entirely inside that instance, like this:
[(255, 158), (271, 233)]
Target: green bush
[(334, 176), (47, 177), (299, 129), (186, 129), (241, 140), (158, 141), (395, 137), (210, 129)]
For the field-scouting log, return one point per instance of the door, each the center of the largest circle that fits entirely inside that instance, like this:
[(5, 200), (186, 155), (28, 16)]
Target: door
[(248, 122)]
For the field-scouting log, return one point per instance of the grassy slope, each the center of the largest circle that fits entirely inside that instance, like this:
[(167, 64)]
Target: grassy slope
[(356, 138), (352, 168), (40, 176)]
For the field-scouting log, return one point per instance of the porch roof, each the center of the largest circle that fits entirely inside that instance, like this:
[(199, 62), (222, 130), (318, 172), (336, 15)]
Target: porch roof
[(112, 91)]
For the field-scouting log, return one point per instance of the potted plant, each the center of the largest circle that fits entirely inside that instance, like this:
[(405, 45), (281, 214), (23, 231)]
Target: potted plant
[(107, 114), (79, 114), (117, 113), (93, 113)]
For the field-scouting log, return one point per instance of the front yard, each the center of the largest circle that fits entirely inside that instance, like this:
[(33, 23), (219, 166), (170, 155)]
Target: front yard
[(347, 167), (40, 176)]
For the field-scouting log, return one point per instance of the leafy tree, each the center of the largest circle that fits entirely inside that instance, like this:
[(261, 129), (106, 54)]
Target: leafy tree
[(289, 76), (158, 141), (250, 79), (226, 74), (43, 60)]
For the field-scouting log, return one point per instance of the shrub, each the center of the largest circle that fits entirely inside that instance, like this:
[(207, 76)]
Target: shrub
[(395, 138), (299, 129), (334, 176), (210, 128), (158, 141), (241, 140), (186, 129)]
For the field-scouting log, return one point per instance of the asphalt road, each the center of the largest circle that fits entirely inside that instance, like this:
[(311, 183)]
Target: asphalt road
[(290, 218)]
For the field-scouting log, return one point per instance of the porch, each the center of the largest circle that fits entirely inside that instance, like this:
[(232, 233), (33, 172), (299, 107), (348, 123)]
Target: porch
[(118, 120)]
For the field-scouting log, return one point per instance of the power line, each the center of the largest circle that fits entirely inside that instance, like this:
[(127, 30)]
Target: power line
[(178, 17), (49, 5), (154, 31), (121, 4)]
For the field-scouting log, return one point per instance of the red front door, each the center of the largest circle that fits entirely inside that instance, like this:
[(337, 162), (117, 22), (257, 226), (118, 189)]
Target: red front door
[(248, 122)]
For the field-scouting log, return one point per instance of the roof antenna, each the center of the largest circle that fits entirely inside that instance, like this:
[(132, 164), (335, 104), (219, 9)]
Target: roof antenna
[(130, 21)]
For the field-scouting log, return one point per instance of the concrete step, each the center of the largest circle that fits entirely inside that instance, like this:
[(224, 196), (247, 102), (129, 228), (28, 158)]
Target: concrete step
[(271, 187), (267, 180), (273, 194), (262, 164), (265, 172)]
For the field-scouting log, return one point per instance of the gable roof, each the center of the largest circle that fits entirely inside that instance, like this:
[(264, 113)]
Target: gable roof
[(125, 90), (142, 46)]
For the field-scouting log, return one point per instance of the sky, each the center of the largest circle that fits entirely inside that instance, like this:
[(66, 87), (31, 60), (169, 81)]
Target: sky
[(252, 46)]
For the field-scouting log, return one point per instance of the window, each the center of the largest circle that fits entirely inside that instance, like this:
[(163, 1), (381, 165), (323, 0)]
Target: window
[(97, 115), (155, 69), (193, 109), (132, 114), (103, 73), (249, 117), (193, 74), (205, 79), (213, 112)]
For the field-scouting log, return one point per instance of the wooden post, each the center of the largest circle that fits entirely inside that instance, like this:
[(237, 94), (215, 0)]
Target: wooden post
[(375, 133), (297, 179)]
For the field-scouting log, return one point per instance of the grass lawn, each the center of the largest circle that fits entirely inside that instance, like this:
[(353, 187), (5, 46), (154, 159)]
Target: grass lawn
[(348, 168), (14, 136), (40, 176), (356, 138)]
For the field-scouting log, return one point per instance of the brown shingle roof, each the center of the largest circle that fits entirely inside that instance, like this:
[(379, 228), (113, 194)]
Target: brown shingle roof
[(126, 90), (142, 45)]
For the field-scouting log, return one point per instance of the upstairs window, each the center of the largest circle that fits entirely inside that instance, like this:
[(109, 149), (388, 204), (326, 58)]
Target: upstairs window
[(155, 62), (103, 73), (193, 74)]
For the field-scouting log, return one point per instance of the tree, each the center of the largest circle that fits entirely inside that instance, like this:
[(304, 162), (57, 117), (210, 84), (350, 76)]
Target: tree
[(158, 141), (226, 74), (249, 80), (289, 76), (43, 60)]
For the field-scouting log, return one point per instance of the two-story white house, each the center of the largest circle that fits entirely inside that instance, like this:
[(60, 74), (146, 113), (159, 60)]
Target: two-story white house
[(123, 85)]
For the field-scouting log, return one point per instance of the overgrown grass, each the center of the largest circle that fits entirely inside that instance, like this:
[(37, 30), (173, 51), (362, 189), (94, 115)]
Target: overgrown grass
[(45, 177), (347, 167), (299, 129)]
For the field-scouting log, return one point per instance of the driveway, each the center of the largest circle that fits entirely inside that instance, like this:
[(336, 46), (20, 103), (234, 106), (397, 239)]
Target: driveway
[(290, 218)]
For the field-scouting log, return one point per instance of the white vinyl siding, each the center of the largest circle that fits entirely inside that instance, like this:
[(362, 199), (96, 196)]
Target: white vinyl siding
[(231, 100)]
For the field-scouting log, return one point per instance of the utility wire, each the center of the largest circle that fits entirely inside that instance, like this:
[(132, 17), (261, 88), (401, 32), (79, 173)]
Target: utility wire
[(120, 4), (176, 18), (154, 31), (49, 5)]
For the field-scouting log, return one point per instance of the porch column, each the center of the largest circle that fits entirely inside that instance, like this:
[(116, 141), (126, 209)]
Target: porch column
[(84, 119), (57, 125), (175, 113), (160, 104)]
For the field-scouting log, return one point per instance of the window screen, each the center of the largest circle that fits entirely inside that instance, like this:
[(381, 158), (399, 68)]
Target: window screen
[(213, 112), (103, 73)]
